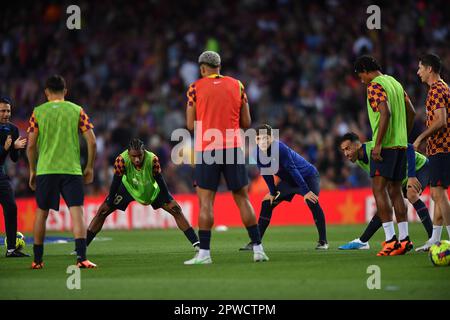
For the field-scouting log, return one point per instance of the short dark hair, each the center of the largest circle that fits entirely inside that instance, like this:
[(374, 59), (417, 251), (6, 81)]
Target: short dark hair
[(366, 63), (5, 100), (55, 83), (431, 60), (351, 136), (264, 129), (136, 144)]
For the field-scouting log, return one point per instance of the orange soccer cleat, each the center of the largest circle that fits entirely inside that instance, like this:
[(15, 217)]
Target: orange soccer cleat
[(86, 264), (388, 248), (37, 265), (405, 246)]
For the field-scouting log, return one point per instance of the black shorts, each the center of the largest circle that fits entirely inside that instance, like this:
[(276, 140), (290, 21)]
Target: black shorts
[(423, 175), (49, 187), (207, 175), (440, 170), (393, 166), (123, 198)]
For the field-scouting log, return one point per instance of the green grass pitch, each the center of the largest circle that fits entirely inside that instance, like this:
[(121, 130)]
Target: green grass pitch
[(149, 265)]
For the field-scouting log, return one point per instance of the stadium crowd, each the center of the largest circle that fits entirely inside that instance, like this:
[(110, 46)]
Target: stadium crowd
[(130, 70)]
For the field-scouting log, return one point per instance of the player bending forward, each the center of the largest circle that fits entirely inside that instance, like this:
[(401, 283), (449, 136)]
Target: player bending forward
[(418, 172), (137, 176), (297, 176)]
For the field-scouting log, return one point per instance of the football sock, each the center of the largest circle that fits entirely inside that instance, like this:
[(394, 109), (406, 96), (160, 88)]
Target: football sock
[(372, 227), (448, 231), (422, 212), (90, 236), (436, 236), (402, 230), (258, 248), (191, 236), (205, 239), (203, 254), (253, 233), (80, 247), (389, 230), (319, 219), (38, 250), (264, 217)]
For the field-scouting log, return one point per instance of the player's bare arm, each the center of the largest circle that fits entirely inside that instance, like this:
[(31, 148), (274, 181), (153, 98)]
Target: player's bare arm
[(385, 115), (245, 120), (88, 174), (32, 157), (440, 122), (410, 114)]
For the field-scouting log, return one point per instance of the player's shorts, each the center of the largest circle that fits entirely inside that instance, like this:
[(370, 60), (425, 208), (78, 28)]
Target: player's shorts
[(49, 187), (393, 166), (440, 170), (207, 176), (423, 175), (288, 189), (123, 198)]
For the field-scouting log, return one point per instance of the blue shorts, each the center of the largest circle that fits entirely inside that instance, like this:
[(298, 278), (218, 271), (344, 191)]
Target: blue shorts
[(440, 170), (393, 166), (49, 187), (288, 189), (423, 175), (207, 176)]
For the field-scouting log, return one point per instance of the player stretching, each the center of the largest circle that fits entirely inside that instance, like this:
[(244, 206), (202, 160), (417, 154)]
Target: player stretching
[(219, 104), (391, 116), (418, 178), (438, 143), (297, 176), (137, 176), (10, 143), (53, 131)]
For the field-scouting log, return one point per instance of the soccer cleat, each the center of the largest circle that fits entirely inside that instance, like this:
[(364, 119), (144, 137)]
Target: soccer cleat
[(388, 248), (260, 256), (73, 253), (86, 264), (405, 246), (197, 260), (37, 265), (425, 248), (247, 247), (322, 245), (355, 245), (16, 254)]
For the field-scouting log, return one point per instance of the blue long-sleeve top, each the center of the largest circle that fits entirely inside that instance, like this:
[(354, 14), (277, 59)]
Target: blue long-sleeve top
[(292, 167), (411, 158), (8, 129)]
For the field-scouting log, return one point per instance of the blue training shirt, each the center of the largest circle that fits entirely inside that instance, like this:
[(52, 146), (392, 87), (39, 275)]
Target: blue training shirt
[(292, 168)]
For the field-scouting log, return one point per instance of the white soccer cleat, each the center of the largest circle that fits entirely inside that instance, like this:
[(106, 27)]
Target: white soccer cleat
[(322, 245), (260, 256), (197, 260), (426, 247)]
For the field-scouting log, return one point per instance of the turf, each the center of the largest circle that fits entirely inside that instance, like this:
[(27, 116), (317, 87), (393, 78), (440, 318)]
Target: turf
[(149, 265)]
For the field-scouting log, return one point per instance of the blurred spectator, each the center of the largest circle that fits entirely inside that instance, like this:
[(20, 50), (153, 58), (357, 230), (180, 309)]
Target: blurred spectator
[(130, 65)]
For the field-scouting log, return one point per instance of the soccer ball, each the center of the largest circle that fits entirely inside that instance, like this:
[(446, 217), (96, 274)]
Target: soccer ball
[(440, 253), (20, 241)]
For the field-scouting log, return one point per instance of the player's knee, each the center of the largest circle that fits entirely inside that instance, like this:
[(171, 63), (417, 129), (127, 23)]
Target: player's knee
[(412, 195), (206, 207), (436, 195), (176, 210)]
